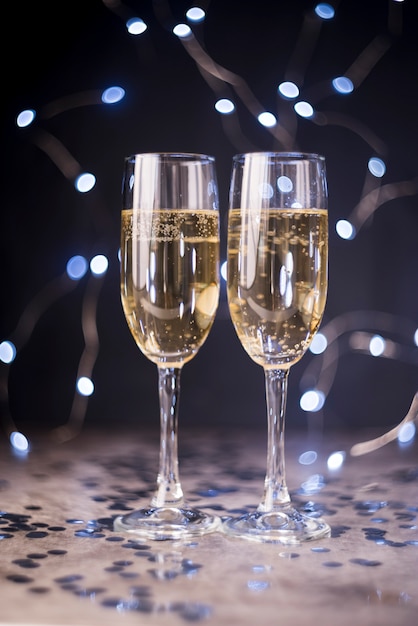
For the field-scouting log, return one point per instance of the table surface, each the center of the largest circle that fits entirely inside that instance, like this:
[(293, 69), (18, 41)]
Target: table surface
[(61, 562)]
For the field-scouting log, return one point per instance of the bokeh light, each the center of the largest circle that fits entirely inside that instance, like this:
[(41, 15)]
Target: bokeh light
[(343, 85), (312, 400), (182, 30), (345, 229), (112, 95), (224, 106), (76, 267), (336, 460), (19, 442), (267, 119), (85, 386), (195, 14), (304, 109), (99, 265), (288, 89), (319, 344), (325, 11), (25, 118), (377, 345), (407, 432), (376, 167), (85, 182), (7, 352), (136, 26), (308, 458)]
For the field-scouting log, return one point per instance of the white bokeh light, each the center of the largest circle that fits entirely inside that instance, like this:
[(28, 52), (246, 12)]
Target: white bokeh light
[(267, 119), (319, 344), (377, 345), (7, 352), (85, 182), (336, 460), (195, 14), (376, 167), (136, 26), (25, 118), (345, 229), (304, 109), (99, 264), (416, 337), (19, 442), (407, 432), (312, 400), (182, 31), (85, 386), (224, 106), (288, 89)]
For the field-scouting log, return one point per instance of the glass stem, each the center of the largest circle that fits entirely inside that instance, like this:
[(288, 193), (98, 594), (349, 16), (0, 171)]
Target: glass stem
[(169, 492), (276, 494)]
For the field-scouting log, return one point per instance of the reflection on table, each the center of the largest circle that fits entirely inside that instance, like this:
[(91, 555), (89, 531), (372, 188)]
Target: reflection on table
[(62, 562)]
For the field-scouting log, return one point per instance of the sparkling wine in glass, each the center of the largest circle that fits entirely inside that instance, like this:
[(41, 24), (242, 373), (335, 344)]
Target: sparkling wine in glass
[(170, 292), (277, 287)]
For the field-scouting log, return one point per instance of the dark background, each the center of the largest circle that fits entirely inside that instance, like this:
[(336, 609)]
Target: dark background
[(56, 51)]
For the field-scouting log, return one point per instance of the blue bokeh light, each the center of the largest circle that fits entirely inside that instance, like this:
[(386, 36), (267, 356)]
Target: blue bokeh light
[(114, 94), (76, 267)]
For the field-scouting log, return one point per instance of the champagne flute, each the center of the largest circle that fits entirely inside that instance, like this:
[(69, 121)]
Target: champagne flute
[(277, 285), (170, 292)]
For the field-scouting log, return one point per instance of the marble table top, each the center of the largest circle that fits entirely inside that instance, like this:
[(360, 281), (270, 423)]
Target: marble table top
[(61, 562)]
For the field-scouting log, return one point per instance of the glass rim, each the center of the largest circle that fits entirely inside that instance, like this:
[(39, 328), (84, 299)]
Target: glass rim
[(185, 156), (296, 155)]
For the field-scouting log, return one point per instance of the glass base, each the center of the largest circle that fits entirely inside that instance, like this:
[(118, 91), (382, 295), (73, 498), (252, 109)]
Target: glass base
[(163, 523), (286, 527)]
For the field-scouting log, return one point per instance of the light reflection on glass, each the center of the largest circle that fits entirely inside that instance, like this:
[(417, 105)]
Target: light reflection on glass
[(224, 270)]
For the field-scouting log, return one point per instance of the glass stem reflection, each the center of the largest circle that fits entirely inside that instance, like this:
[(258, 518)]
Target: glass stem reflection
[(169, 491), (276, 494)]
